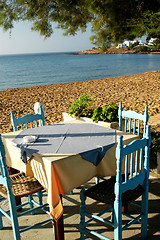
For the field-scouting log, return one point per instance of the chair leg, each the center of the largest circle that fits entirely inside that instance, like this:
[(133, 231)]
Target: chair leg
[(30, 198), (18, 202), (112, 215), (144, 210), (1, 222), (14, 219), (97, 180), (39, 194), (117, 220), (82, 215)]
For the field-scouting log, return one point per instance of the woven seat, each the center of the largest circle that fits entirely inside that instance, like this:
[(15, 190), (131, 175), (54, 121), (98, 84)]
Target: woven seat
[(22, 186), (104, 192)]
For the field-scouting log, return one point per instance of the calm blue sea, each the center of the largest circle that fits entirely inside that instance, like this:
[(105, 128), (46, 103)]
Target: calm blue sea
[(26, 70)]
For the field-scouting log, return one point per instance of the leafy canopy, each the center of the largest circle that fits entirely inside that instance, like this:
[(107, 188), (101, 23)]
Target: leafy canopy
[(112, 20)]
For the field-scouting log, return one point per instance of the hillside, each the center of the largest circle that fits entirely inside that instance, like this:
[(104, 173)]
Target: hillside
[(112, 50)]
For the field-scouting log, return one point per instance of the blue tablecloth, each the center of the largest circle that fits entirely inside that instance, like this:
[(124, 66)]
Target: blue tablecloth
[(91, 141)]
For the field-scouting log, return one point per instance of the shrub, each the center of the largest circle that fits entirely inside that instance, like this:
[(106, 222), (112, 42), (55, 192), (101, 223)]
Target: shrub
[(110, 113), (154, 148), (97, 114), (81, 107), (107, 113), (156, 48), (143, 49)]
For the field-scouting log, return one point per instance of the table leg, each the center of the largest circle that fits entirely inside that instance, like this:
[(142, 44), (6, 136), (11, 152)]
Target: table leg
[(59, 227)]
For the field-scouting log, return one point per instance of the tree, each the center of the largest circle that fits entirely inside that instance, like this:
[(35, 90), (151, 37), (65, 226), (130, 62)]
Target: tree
[(112, 20)]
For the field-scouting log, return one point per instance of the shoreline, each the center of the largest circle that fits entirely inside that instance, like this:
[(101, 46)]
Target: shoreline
[(135, 92), (114, 50)]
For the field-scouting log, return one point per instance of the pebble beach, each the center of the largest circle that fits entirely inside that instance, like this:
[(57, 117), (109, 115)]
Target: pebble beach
[(134, 91)]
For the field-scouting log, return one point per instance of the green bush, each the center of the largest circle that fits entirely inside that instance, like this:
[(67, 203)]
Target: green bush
[(97, 114), (143, 49), (81, 107), (154, 148), (110, 113), (107, 113), (156, 48)]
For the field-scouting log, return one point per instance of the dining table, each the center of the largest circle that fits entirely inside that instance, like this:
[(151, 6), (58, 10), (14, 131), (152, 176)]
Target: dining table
[(62, 157)]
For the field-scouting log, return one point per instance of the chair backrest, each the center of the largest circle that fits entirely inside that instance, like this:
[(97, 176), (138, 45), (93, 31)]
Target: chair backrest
[(28, 119), (132, 119), (134, 157), (37, 108), (4, 175)]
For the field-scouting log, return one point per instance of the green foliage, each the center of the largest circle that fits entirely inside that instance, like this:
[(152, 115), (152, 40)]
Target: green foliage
[(97, 114), (110, 113), (154, 148), (107, 113), (155, 48), (112, 21), (81, 107), (143, 49)]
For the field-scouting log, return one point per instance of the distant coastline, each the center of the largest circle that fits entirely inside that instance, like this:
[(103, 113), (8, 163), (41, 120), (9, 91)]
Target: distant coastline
[(113, 50)]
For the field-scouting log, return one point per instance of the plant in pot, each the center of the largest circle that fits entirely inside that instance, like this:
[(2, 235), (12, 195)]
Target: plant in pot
[(81, 107), (106, 113)]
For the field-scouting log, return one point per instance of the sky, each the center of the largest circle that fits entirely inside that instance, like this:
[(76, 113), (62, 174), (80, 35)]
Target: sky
[(23, 40)]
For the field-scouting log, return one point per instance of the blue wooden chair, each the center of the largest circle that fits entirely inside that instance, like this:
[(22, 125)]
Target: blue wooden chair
[(132, 120), (28, 120), (135, 158), (132, 123), (17, 185)]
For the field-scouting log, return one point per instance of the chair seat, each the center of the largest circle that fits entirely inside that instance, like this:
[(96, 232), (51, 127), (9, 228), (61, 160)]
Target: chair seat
[(22, 186), (104, 192)]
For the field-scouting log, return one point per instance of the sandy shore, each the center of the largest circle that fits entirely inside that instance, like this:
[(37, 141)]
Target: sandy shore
[(135, 92)]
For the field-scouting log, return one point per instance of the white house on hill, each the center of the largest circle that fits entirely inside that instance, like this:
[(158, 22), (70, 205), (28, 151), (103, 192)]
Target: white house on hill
[(127, 43)]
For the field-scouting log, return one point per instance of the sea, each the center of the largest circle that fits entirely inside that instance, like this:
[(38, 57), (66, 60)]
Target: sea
[(25, 70)]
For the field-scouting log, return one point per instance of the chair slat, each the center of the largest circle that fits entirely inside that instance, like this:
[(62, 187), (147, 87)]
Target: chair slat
[(126, 168), (36, 124), (132, 115), (130, 125), (134, 128), (139, 124), (136, 163), (125, 128), (29, 118), (141, 160), (131, 165)]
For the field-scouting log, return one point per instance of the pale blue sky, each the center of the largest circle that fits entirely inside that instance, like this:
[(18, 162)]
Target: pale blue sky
[(23, 40)]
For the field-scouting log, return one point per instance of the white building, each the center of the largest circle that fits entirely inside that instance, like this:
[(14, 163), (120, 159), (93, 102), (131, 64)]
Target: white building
[(128, 43), (151, 41)]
